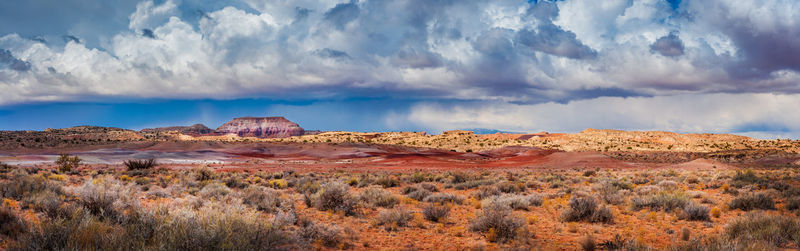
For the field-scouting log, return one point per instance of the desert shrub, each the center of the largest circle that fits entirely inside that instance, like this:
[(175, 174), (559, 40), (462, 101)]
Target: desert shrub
[(587, 243), (586, 209), (459, 177), (648, 189), (486, 192), (47, 202), (791, 192), (610, 193), (515, 202), (4, 168), (11, 224), (666, 201), (444, 198), (639, 180), (263, 199), (422, 186), (619, 243), (329, 236), (435, 213), (695, 212), (335, 196), (428, 186), (420, 177), (668, 185), (307, 186), (387, 181), (535, 199), (472, 184), (67, 163), (774, 229), (24, 185), (746, 177), (394, 218), (686, 233), (750, 201), (219, 227), (793, 203), (420, 194), (509, 187), (235, 181), (140, 164), (214, 191), (497, 224), (99, 196), (204, 173), (378, 197)]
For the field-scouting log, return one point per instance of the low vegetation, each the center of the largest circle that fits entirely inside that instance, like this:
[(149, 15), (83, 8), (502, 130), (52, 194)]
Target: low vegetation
[(204, 208)]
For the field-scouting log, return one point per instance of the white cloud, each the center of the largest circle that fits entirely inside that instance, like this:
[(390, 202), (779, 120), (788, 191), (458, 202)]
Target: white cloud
[(469, 50), (761, 115)]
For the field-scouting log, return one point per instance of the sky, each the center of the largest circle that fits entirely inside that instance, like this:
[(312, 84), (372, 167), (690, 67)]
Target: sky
[(690, 66)]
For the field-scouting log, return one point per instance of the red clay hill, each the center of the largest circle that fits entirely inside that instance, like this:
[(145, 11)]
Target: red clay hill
[(261, 127)]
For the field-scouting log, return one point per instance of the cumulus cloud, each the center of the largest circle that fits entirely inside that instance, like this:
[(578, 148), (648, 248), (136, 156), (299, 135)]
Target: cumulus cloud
[(9, 61), (525, 52)]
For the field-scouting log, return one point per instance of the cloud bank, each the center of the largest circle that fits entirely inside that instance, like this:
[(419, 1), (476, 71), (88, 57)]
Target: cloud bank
[(511, 54)]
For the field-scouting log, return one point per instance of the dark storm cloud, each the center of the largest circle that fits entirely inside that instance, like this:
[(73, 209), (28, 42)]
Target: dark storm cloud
[(416, 59), (301, 14), (148, 33), (516, 51), (331, 53), (8, 60), (342, 14), (669, 45), (765, 35), (553, 40)]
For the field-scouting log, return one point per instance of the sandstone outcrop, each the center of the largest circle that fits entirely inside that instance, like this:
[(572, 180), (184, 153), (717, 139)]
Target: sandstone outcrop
[(261, 127)]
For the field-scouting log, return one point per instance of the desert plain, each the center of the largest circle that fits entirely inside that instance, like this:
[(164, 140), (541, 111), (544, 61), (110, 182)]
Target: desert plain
[(268, 184)]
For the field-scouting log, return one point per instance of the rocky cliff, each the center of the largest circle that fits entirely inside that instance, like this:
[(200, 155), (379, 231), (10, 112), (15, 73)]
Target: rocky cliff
[(266, 127)]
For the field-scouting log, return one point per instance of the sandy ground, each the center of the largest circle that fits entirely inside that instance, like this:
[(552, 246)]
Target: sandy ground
[(311, 156)]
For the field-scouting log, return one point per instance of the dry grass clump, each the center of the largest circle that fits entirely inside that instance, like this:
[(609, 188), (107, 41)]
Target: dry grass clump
[(666, 201), (435, 213), (444, 198), (777, 230), (204, 174), (214, 191), (586, 209), (512, 201), (377, 197), (335, 196), (11, 224), (309, 232), (587, 243), (420, 191), (750, 201), (23, 185), (497, 224), (695, 212), (263, 199), (793, 203), (393, 219), (387, 181)]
